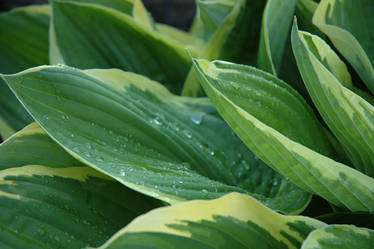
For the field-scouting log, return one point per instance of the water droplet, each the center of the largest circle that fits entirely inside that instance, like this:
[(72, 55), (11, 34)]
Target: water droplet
[(88, 154), (89, 146), (211, 153), (122, 172), (76, 149), (197, 118), (100, 159), (57, 238), (110, 132), (204, 191), (72, 135), (64, 117), (46, 117), (157, 121), (180, 181), (187, 133)]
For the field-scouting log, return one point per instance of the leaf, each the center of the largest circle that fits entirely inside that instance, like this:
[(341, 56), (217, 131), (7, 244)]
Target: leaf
[(170, 147), (13, 116), (233, 221), (24, 38), (213, 12), (116, 40), (32, 146), (340, 236), (239, 31), (305, 10), (189, 41), (230, 87), (23, 44), (348, 24), (61, 205), (350, 117), (276, 23)]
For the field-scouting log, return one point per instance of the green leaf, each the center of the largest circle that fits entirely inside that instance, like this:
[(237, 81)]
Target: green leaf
[(23, 44), (350, 117), (24, 38), (348, 24), (276, 23), (116, 40), (32, 146), (239, 31), (305, 10), (13, 116), (170, 147), (233, 221), (61, 205), (340, 237), (213, 12), (189, 41), (246, 98)]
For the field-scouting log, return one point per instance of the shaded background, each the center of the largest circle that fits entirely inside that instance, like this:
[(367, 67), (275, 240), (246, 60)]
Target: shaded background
[(178, 13)]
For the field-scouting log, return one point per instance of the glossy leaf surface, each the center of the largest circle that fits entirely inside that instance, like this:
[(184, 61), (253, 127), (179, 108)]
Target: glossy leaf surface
[(274, 144), (173, 148), (233, 221)]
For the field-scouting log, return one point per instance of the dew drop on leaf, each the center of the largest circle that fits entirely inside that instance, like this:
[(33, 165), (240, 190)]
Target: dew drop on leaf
[(197, 118)]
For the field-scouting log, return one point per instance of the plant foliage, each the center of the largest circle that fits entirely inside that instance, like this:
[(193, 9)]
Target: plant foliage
[(120, 132)]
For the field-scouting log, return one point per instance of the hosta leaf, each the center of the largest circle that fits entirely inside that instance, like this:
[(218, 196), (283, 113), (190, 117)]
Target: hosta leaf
[(276, 22), (233, 221), (60, 205), (213, 12), (32, 146), (305, 10), (232, 88), (239, 31), (350, 117), (24, 38), (44, 207), (133, 8), (116, 40), (340, 237), (348, 24), (23, 44), (173, 148), (189, 41)]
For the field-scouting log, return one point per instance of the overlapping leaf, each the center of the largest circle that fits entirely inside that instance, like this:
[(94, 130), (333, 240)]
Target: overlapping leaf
[(115, 40), (60, 203), (238, 32), (23, 44), (276, 22), (350, 117), (233, 221), (245, 97), (348, 24), (173, 148), (340, 237)]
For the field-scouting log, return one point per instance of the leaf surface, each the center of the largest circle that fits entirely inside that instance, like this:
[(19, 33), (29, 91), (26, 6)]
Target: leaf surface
[(23, 44), (340, 236), (348, 24), (276, 22), (58, 205), (115, 40), (233, 221), (232, 88), (349, 116), (170, 147)]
